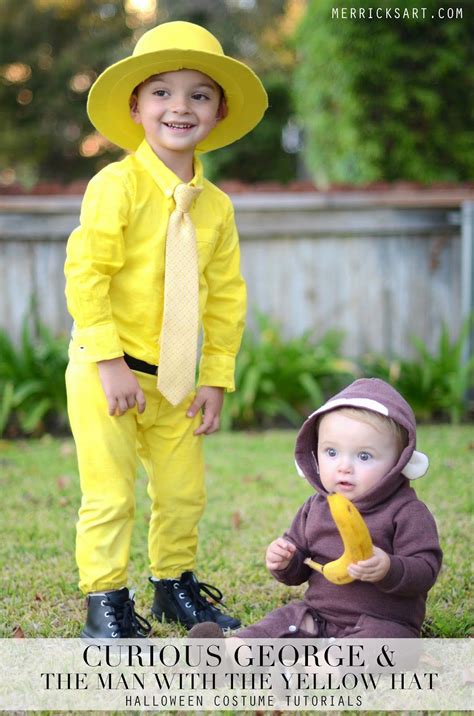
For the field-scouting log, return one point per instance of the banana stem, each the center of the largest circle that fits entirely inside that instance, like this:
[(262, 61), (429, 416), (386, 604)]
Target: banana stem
[(314, 565)]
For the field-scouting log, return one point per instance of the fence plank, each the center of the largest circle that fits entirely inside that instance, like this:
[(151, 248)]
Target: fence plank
[(380, 268)]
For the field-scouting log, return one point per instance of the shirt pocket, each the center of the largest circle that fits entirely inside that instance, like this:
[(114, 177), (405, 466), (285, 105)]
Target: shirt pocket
[(206, 242)]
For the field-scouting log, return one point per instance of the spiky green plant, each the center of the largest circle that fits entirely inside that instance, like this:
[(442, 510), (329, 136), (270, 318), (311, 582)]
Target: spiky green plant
[(32, 389), (281, 380)]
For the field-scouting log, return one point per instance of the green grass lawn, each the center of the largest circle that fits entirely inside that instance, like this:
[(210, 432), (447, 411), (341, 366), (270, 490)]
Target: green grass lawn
[(253, 493)]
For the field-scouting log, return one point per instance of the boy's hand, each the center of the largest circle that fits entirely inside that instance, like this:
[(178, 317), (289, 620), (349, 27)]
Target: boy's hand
[(210, 399), (120, 386), (279, 554), (373, 569)]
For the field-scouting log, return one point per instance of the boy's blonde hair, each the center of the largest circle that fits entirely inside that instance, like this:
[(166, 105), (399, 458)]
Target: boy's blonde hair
[(377, 421)]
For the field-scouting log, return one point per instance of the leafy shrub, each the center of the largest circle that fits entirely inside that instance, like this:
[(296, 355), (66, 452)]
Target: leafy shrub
[(259, 156), (436, 385), (32, 388), (376, 97), (280, 382)]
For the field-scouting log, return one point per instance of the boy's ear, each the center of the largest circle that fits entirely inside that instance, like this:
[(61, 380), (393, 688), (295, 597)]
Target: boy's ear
[(222, 110), (134, 112)]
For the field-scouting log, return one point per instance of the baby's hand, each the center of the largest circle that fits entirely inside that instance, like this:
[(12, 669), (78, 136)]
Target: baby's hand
[(279, 554), (120, 386), (373, 569)]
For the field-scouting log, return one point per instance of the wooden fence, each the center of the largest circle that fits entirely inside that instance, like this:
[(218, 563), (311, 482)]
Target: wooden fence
[(380, 267)]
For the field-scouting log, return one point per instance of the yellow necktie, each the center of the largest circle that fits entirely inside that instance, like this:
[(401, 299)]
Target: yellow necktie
[(179, 333)]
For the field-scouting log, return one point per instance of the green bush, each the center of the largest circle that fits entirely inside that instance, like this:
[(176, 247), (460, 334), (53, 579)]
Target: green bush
[(281, 382), (32, 388), (385, 99), (436, 385), (259, 156), (278, 382)]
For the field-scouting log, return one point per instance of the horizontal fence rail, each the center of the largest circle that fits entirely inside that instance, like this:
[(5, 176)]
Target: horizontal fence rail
[(380, 267)]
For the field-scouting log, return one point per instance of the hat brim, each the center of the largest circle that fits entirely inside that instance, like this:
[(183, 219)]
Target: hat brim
[(108, 103)]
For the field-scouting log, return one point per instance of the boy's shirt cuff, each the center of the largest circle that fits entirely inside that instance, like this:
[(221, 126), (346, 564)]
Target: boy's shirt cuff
[(217, 371), (95, 343)]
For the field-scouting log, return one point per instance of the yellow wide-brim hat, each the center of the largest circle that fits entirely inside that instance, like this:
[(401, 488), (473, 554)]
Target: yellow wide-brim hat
[(176, 46)]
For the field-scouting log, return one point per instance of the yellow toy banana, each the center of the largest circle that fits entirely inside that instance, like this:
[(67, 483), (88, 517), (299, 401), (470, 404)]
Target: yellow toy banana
[(355, 538)]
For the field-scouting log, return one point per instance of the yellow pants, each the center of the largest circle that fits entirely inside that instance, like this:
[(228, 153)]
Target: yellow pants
[(107, 449)]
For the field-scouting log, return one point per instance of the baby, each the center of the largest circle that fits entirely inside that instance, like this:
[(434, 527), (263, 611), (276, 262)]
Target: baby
[(361, 443)]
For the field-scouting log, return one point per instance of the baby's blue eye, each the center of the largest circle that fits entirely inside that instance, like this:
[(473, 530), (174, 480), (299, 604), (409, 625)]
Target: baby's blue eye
[(364, 456), (200, 95), (160, 93), (331, 452)]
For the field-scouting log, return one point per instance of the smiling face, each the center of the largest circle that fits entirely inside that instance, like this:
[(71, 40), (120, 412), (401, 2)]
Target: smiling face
[(353, 454), (177, 111)]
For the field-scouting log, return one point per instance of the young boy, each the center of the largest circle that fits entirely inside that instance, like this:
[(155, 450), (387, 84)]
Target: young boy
[(156, 253), (361, 443)]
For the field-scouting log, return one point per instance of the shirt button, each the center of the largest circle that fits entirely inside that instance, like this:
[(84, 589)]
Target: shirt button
[(292, 628)]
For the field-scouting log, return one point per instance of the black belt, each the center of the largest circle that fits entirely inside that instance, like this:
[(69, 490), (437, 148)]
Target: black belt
[(140, 365)]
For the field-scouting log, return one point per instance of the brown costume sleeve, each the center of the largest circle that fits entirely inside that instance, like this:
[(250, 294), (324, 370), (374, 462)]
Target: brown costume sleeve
[(297, 572), (417, 556)]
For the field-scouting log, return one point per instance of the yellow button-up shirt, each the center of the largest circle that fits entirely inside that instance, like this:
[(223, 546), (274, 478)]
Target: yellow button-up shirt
[(116, 261)]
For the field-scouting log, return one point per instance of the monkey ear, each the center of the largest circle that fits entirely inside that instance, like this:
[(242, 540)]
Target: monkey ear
[(299, 470), (417, 466)]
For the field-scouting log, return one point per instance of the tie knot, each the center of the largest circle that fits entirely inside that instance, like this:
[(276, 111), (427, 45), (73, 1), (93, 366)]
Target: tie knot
[(184, 196)]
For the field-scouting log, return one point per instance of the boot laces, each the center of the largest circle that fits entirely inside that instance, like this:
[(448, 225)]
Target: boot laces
[(197, 590), (128, 622)]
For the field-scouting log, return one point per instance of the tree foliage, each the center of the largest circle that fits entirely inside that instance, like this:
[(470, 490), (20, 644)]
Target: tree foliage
[(386, 99), (259, 156), (52, 50), (50, 53)]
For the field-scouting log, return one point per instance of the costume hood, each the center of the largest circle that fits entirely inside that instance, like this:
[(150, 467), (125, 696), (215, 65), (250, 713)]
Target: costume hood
[(380, 397)]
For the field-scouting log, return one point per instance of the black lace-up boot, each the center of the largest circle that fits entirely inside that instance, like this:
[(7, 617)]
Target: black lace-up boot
[(111, 615), (183, 600)]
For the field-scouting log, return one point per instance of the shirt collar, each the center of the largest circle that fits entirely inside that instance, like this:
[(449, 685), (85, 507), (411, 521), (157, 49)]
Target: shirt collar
[(162, 175)]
